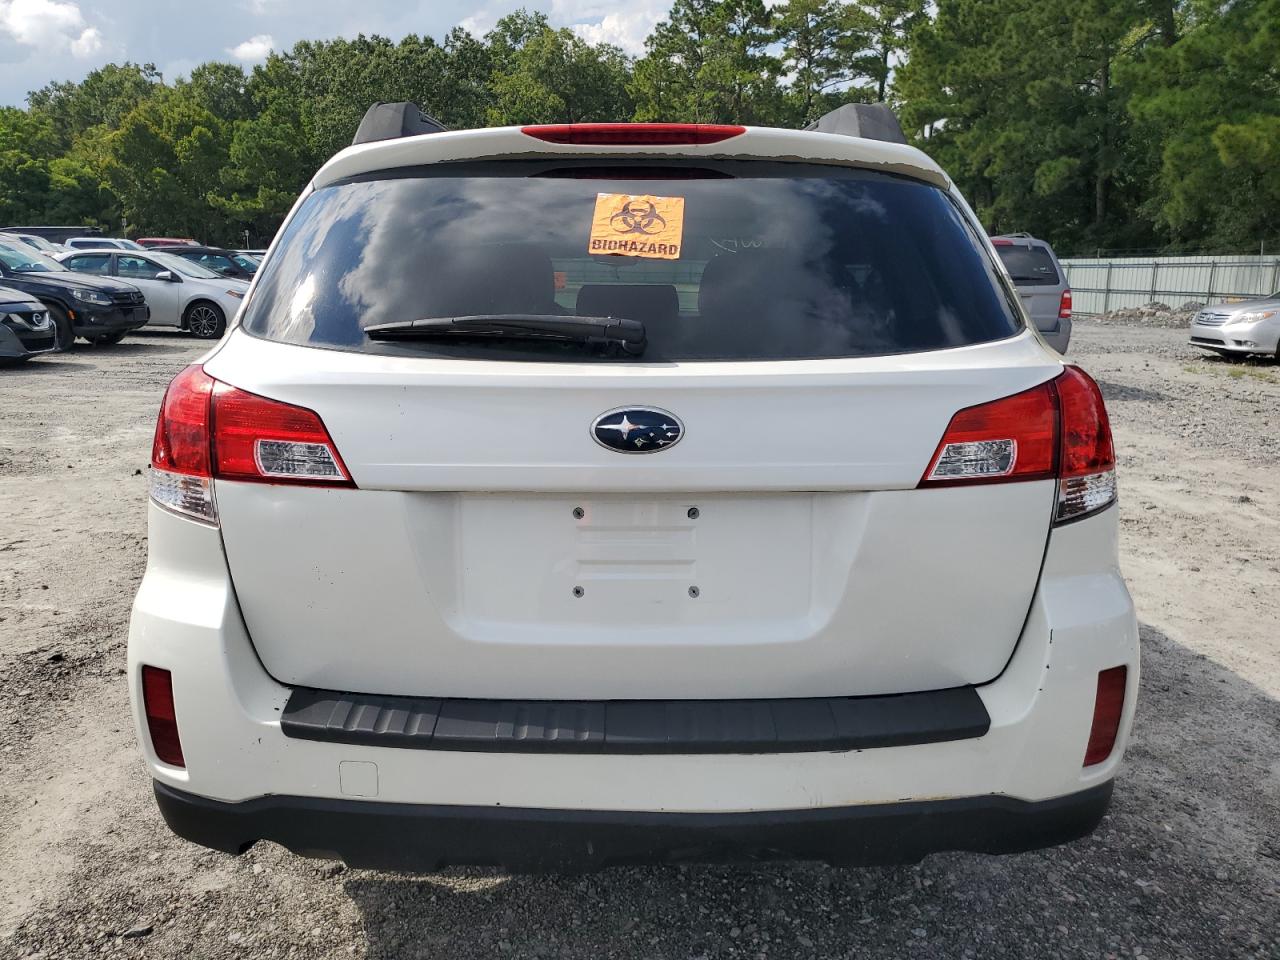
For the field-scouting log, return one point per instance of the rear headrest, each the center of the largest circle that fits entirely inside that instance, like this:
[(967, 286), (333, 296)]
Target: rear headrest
[(499, 278), (629, 301)]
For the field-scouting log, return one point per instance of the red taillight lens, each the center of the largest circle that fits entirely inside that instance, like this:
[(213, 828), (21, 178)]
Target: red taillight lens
[(1087, 476), (162, 719), (1108, 708), (1014, 438), (266, 441), (1058, 429), (1064, 306), (209, 430), (633, 134), (182, 431)]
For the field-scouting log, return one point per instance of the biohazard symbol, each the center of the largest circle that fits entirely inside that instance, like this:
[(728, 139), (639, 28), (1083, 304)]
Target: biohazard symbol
[(638, 216)]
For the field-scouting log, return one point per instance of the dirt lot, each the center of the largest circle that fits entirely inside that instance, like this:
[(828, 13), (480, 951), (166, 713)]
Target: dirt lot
[(1186, 865)]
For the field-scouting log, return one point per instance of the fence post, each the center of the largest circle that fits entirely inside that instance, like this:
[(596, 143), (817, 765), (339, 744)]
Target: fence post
[(1213, 268), (1155, 270), (1106, 290), (1275, 279)]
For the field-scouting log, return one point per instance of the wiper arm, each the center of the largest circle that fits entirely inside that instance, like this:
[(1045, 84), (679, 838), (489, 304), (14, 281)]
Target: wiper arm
[(615, 331)]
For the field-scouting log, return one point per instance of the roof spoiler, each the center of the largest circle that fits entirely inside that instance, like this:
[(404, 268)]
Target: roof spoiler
[(871, 121), (389, 121)]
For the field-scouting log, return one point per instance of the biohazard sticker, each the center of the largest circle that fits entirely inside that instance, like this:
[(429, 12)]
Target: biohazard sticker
[(637, 226)]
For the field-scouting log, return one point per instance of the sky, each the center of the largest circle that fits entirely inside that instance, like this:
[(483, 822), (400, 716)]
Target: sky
[(45, 40)]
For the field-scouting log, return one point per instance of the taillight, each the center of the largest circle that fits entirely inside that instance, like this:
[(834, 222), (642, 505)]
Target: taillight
[(1014, 438), (210, 430), (1087, 467), (162, 718), (266, 441), (1064, 306), (181, 473), (633, 134), (1056, 430), (1108, 707)]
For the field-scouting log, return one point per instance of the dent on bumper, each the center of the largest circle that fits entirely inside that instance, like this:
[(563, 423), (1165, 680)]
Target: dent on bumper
[(426, 837)]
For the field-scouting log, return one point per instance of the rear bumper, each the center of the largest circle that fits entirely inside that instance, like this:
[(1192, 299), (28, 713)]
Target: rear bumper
[(398, 836), (1000, 790), (1059, 337)]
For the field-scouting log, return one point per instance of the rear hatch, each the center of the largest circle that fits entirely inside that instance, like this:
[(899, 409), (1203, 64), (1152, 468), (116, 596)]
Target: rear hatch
[(1039, 281), (810, 332)]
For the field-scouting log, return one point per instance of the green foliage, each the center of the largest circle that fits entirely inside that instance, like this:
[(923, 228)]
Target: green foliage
[(1094, 123)]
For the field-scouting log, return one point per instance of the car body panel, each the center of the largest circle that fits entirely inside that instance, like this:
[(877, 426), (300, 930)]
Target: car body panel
[(186, 619)]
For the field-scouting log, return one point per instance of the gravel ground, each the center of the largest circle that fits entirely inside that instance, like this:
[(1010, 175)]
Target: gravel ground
[(1187, 864)]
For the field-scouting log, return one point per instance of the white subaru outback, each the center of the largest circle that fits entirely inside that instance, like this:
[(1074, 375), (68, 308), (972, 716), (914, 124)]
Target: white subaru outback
[(584, 494)]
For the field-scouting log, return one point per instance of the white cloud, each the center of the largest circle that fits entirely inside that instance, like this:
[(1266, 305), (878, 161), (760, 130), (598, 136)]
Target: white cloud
[(87, 44), (598, 22), (51, 26), (254, 49)]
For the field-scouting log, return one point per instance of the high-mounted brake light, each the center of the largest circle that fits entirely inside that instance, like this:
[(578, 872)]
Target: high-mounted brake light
[(1108, 708), (211, 430), (633, 134), (1056, 430), (162, 718), (1064, 306)]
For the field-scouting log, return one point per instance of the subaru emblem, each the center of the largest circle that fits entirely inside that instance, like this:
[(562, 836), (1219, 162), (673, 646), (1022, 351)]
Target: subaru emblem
[(637, 430)]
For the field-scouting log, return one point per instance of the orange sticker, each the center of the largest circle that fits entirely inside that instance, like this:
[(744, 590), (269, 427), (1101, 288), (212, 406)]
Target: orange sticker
[(637, 226)]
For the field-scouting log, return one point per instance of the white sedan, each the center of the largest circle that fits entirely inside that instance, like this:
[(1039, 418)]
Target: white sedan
[(180, 293)]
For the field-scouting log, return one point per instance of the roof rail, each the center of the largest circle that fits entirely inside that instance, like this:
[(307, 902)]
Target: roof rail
[(389, 121), (871, 121)]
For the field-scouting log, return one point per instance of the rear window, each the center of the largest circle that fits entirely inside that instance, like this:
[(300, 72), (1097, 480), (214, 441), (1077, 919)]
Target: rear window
[(1029, 266), (735, 261)]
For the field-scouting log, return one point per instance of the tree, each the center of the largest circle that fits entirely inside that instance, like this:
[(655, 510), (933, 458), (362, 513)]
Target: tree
[(888, 25), (710, 62), (822, 41), (1209, 103), (541, 75)]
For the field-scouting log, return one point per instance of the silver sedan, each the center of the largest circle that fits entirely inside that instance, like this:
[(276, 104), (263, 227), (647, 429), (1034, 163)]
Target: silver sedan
[(1237, 329)]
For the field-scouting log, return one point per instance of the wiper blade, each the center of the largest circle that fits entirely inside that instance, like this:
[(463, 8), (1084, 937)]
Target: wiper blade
[(609, 331)]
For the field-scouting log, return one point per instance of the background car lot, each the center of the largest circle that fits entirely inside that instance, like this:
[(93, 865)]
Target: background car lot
[(1186, 865)]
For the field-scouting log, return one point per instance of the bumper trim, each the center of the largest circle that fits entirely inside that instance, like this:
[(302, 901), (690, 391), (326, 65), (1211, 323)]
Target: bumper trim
[(637, 726), (396, 836)]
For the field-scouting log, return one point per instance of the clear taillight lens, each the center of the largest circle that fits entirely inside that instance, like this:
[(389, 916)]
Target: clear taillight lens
[(210, 430)]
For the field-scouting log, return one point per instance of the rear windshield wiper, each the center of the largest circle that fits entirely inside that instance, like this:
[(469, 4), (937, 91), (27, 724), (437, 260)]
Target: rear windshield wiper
[(609, 331)]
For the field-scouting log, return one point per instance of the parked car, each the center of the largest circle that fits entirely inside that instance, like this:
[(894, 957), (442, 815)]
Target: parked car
[(713, 501), (1239, 329), (55, 234), (99, 309), (165, 241), (100, 243), (259, 254), (32, 240), (25, 327), (1042, 285), (228, 263), (180, 293)]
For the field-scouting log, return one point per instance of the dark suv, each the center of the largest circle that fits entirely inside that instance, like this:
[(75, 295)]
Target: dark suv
[(99, 309)]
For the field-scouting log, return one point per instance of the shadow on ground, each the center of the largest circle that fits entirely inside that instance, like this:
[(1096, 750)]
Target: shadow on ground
[(1187, 864)]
